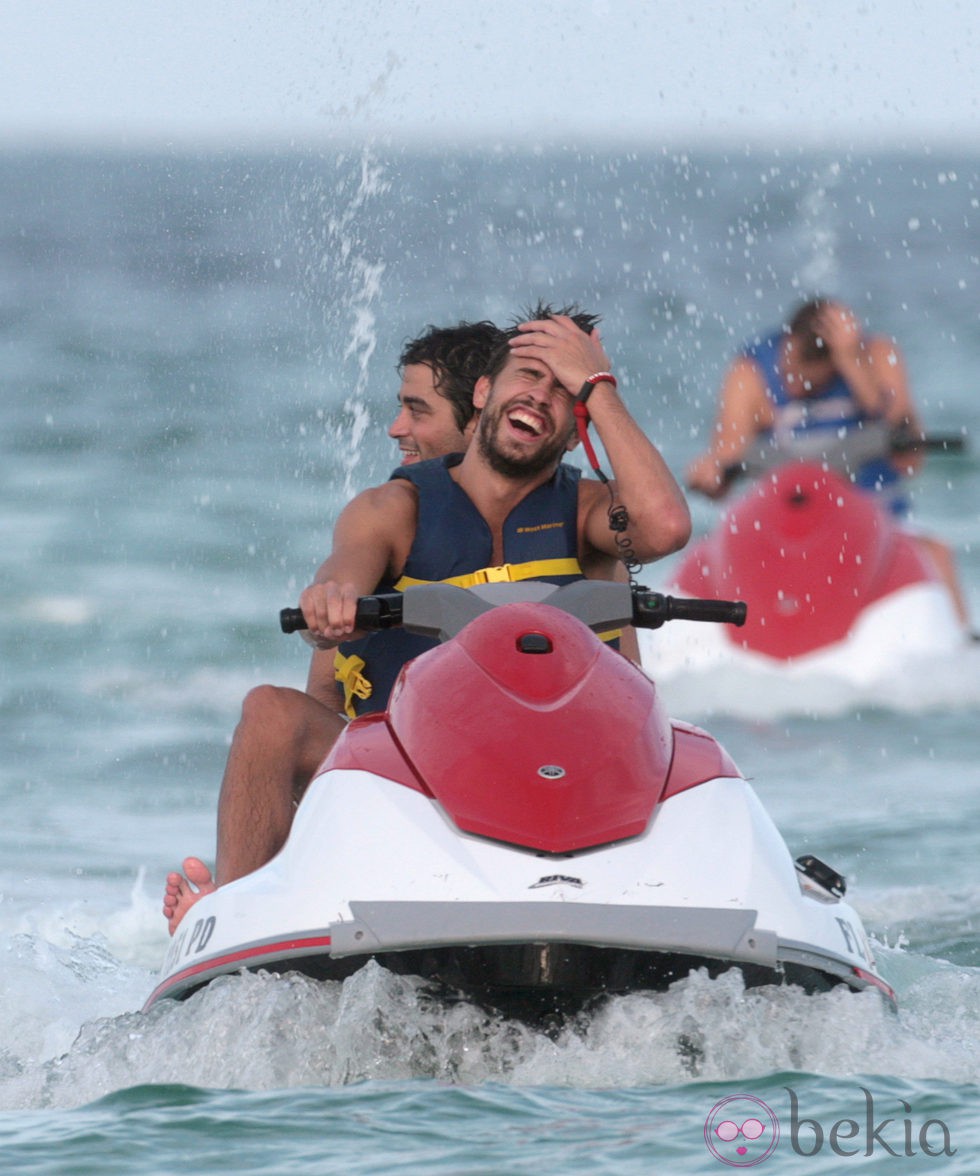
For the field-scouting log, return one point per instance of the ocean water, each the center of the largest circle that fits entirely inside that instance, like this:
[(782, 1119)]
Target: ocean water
[(197, 362)]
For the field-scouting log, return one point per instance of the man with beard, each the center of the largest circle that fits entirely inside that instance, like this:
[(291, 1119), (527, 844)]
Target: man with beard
[(507, 502)]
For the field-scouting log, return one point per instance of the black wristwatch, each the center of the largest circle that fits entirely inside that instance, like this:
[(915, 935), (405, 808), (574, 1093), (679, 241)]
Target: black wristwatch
[(598, 378)]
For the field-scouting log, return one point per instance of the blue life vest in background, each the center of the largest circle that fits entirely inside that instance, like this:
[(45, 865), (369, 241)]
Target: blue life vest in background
[(831, 409)]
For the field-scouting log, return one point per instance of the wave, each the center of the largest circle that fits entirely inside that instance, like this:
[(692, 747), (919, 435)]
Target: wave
[(258, 1031), (930, 685)]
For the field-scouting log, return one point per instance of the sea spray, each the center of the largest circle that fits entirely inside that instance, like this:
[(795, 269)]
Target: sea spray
[(260, 1031), (334, 225)]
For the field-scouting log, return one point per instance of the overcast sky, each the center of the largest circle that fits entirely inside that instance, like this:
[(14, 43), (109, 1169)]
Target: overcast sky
[(125, 71)]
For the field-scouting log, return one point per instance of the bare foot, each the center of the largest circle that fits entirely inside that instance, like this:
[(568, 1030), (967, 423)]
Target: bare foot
[(183, 890)]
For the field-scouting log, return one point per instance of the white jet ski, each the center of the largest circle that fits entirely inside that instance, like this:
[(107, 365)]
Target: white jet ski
[(526, 826)]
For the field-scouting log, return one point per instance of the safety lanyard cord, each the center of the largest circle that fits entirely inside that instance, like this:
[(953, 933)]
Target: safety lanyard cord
[(582, 425)]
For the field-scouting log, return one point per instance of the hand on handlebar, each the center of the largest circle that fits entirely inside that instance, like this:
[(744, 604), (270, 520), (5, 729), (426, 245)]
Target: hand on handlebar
[(330, 612), (650, 611)]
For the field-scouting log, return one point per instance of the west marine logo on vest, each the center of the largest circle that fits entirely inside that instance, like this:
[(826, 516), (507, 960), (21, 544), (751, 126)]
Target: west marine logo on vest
[(539, 527)]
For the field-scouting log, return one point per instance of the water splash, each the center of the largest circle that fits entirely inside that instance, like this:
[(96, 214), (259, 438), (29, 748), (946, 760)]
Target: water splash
[(821, 272), (347, 234), (342, 277), (264, 1032), (363, 340)]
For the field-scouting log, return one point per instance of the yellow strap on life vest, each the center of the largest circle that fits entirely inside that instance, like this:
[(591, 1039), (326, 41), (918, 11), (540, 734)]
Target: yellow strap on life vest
[(347, 671), (505, 572)]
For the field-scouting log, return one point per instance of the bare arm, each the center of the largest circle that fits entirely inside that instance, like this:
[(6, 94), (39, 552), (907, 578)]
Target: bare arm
[(321, 682), (371, 538), (874, 369), (744, 411), (891, 378), (659, 518), (852, 357), (660, 521), (899, 408)]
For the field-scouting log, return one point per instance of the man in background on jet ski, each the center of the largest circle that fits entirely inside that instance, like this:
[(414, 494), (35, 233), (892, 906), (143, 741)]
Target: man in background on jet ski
[(506, 500), (820, 376)]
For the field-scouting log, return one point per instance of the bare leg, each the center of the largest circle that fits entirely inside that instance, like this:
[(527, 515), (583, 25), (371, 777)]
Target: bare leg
[(942, 557), (280, 741)]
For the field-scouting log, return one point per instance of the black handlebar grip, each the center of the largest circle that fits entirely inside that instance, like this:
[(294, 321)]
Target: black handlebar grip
[(653, 609), (291, 620), (905, 441), (725, 612), (382, 611), (740, 610)]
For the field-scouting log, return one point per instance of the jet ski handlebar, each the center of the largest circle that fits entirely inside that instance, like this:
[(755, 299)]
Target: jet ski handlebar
[(653, 609), (844, 452), (383, 611), (650, 610)]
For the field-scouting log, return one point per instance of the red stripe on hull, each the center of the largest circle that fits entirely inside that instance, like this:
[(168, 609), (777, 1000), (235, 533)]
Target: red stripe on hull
[(245, 956), (871, 979)]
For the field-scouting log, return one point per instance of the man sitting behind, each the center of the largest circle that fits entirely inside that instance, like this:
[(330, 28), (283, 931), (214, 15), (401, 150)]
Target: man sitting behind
[(283, 734), (435, 401), (409, 527)]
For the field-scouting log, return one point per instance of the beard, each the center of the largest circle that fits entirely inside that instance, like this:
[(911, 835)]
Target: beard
[(514, 465)]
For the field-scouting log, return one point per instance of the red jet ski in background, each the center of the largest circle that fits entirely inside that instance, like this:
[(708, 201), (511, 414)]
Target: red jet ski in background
[(834, 584)]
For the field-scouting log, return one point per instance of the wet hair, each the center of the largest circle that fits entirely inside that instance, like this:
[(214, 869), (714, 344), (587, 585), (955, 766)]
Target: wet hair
[(543, 310), (458, 356), (803, 326)]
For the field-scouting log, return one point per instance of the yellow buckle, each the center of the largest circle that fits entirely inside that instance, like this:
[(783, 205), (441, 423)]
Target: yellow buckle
[(498, 575)]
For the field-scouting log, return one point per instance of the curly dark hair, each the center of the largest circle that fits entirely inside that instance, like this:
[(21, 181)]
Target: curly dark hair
[(458, 356), (543, 310)]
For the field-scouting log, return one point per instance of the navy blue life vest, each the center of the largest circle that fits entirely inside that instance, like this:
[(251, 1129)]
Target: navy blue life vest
[(452, 541)]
